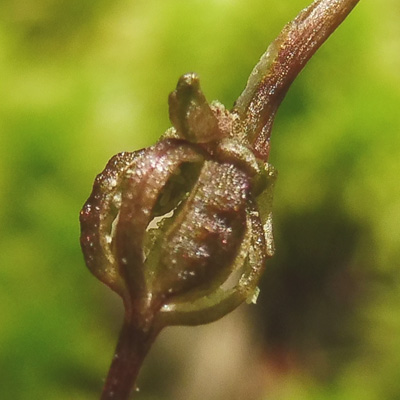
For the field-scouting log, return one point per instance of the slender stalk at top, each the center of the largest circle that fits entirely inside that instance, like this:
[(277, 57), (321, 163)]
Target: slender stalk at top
[(281, 63)]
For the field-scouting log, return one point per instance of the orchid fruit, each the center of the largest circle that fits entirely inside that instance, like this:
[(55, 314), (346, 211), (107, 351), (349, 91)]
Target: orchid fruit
[(182, 230)]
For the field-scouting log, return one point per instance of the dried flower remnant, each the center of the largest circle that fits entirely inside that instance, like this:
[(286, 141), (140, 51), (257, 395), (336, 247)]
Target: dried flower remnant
[(167, 227)]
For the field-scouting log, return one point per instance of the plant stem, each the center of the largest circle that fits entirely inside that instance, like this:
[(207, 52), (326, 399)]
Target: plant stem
[(133, 345), (281, 63)]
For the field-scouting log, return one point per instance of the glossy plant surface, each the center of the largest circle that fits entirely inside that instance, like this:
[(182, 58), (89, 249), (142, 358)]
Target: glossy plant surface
[(167, 226)]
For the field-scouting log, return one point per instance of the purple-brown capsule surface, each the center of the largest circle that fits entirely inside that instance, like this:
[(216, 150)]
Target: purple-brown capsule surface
[(169, 224)]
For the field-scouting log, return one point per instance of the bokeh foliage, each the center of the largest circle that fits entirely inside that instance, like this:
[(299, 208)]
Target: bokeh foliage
[(81, 81)]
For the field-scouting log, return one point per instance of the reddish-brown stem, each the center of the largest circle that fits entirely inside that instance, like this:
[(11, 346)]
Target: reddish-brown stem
[(279, 66), (133, 345)]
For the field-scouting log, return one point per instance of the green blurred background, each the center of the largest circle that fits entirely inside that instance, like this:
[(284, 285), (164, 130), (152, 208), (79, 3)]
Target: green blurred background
[(83, 80)]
